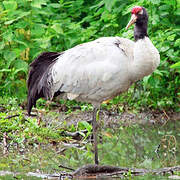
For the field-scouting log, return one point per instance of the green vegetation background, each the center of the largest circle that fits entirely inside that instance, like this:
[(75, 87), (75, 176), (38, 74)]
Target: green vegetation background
[(29, 27)]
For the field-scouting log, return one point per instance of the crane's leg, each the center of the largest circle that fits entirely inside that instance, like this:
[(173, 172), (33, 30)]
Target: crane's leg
[(95, 135)]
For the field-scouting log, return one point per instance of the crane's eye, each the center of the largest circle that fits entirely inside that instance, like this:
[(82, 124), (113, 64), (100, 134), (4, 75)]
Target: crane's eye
[(140, 12)]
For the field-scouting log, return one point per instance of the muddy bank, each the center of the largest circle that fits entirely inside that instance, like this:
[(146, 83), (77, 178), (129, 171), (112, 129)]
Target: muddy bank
[(110, 119)]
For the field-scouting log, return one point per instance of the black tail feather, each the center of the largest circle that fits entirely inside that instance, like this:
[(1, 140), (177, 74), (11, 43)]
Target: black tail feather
[(38, 69)]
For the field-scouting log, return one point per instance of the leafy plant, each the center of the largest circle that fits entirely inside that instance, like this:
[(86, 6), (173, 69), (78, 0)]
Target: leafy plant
[(31, 27)]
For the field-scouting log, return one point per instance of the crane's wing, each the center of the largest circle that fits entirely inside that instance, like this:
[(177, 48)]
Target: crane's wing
[(91, 67), (89, 70)]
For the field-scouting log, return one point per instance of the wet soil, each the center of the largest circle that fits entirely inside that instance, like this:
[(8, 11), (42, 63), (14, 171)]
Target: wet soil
[(110, 119)]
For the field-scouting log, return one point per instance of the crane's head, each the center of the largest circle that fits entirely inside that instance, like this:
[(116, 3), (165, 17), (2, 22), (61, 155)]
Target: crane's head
[(139, 16)]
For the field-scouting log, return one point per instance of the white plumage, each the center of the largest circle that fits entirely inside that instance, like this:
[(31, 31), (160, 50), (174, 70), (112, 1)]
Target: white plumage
[(95, 71), (99, 70)]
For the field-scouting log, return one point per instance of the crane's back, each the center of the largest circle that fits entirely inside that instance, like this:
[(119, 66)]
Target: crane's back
[(94, 71)]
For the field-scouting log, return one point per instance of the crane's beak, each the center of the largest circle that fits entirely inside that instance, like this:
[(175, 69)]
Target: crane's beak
[(132, 21)]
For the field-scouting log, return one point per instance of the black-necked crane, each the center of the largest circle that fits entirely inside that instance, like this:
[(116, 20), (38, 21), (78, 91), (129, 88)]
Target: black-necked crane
[(96, 71)]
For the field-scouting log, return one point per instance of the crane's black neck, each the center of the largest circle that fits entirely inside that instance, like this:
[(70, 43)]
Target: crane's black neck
[(140, 31), (141, 24)]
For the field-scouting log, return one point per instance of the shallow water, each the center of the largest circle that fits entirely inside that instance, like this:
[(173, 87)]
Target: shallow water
[(149, 146)]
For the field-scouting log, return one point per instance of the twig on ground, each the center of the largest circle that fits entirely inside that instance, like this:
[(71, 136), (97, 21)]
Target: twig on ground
[(11, 116), (5, 148), (64, 167), (165, 114), (76, 135)]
